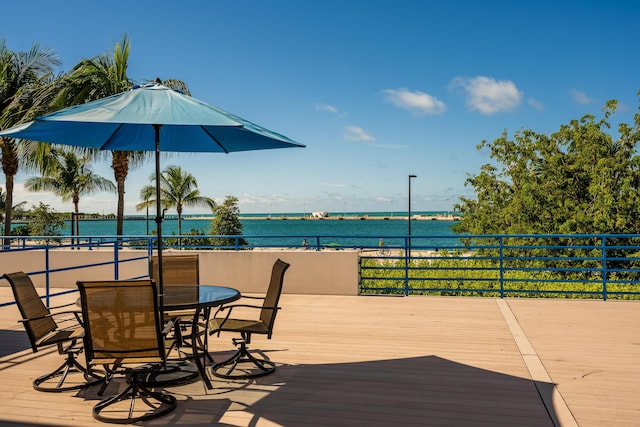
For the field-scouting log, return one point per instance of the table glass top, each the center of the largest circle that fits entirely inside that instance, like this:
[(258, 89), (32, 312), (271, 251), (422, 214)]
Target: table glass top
[(191, 296)]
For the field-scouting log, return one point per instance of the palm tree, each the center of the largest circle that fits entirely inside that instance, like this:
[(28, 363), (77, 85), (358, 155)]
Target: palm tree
[(16, 208), (148, 194), (96, 78), (177, 189), (71, 177), (21, 73), (102, 76)]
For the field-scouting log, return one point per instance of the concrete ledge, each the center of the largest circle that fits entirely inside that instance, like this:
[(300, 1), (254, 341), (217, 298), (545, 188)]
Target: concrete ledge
[(312, 272)]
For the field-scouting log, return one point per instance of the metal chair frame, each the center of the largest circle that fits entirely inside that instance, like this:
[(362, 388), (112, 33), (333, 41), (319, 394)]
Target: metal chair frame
[(264, 325), (43, 331), (110, 341)]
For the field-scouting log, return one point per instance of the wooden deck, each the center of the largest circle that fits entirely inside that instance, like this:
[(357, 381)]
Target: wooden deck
[(387, 361)]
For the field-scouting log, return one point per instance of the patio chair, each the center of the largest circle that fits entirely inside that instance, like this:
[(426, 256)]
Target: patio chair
[(43, 331), (178, 270), (222, 322), (123, 332)]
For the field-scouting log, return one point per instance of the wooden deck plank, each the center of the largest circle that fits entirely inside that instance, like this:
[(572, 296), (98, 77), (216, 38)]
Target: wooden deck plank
[(344, 361), (591, 351)]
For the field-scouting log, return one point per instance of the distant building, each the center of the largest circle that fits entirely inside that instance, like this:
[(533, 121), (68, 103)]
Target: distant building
[(320, 215)]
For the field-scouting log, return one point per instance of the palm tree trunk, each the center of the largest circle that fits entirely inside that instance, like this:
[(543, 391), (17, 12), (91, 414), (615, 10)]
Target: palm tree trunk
[(120, 211), (179, 209), (76, 201), (120, 166), (10, 169), (8, 209)]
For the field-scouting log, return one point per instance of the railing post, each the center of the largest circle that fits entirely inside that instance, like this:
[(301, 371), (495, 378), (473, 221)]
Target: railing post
[(116, 269), (603, 248), (501, 267), (406, 265), (46, 276)]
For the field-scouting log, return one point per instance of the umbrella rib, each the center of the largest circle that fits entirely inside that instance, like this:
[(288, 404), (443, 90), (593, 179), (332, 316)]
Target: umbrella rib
[(114, 133), (222, 147)]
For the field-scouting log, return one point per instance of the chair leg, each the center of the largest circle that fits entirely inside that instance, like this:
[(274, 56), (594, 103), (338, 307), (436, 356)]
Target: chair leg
[(226, 368), (136, 391), (92, 377)]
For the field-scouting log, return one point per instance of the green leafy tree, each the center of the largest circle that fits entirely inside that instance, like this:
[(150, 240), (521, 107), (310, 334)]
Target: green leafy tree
[(178, 189), (194, 242), (577, 180), (70, 177), (45, 222), (227, 223), (21, 75)]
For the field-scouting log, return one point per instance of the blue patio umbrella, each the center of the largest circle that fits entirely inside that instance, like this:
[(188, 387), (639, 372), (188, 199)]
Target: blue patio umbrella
[(150, 117)]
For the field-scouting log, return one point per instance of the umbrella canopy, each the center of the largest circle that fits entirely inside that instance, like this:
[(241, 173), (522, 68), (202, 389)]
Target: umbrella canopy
[(123, 122), (151, 117)]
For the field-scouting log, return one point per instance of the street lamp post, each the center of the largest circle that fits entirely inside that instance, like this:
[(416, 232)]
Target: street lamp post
[(409, 218), (147, 215)]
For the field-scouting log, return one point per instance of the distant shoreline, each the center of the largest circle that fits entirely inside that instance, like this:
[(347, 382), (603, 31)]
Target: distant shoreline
[(349, 216), (342, 217)]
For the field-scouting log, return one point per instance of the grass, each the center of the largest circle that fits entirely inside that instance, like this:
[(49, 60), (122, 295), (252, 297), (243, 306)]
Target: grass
[(475, 275)]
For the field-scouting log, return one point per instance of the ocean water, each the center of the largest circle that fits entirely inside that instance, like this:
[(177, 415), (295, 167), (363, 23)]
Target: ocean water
[(291, 232)]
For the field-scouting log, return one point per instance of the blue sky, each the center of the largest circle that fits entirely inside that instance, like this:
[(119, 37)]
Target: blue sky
[(376, 90)]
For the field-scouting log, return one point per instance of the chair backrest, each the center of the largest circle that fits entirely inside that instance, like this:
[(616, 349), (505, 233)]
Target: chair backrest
[(268, 316), (177, 269), (31, 307), (121, 321)]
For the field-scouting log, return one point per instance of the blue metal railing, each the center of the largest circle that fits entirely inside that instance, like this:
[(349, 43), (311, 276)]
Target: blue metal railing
[(581, 265), (25, 244)]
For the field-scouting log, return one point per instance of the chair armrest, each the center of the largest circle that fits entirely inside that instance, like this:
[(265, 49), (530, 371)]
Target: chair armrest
[(171, 323), (63, 305), (58, 313), (231, 307)]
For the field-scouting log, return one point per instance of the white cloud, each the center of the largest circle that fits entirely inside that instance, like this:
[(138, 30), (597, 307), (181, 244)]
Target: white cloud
[(265, 203), (328, 108), (534, 103), (489, 95), (20, 194), (580, 97), (354, 133), (101, 202), (417, 102)]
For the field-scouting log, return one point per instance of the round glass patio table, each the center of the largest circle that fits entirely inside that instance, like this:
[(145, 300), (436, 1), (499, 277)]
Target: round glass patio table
[(199, 299), (185, 297)]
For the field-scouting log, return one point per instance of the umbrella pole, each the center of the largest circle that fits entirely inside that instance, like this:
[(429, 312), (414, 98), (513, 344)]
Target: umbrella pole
[(159, 224)]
